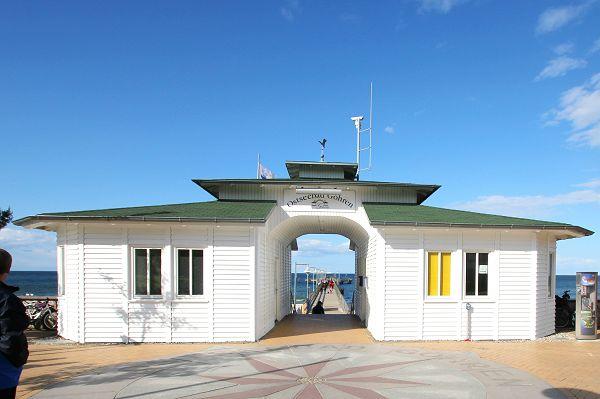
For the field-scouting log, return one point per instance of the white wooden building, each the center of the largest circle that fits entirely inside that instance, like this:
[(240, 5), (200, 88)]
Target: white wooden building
[(220, 271)]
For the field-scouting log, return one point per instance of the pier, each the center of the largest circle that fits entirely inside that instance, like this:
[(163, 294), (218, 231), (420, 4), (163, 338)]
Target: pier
[(338, 325)]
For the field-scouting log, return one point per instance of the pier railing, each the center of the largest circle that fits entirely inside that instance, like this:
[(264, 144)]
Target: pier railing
[(27, 299)]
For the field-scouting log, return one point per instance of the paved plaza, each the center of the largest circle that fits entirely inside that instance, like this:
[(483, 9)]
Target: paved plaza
[(328, 355), (308, 372)]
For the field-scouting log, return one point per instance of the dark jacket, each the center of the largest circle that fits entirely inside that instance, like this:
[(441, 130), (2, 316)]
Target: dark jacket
[(318, 309), (13, 323)]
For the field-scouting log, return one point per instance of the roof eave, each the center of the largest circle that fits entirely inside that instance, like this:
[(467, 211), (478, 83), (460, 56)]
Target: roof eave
[(212, 185), (579, 231), (29, 220)]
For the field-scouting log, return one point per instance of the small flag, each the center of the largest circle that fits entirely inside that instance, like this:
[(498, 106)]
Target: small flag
[(264, 173)]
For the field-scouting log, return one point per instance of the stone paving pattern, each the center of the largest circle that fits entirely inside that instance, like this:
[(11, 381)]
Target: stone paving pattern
[(373, 371), (571, 366)]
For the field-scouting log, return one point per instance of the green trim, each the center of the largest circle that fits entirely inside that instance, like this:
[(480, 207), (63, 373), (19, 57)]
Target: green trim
[(421, 215), (212, 211)]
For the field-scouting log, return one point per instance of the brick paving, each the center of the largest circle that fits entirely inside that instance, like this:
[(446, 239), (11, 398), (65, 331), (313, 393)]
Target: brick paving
[(572, 366)]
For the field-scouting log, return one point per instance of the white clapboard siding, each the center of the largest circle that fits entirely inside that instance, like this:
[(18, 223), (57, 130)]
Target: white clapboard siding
[(478, 241), (358, 293), (441, 320), (369, 252), (284, 283), (232, 285), (545, 305), (263, 286), (190, 321), (481, 325), (149, 321), (516, 281), (402, 270), (103, 270), (72, 286)]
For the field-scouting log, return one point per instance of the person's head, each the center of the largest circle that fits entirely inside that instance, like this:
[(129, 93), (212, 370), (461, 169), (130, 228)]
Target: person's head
[(319, 303), (5, 264)]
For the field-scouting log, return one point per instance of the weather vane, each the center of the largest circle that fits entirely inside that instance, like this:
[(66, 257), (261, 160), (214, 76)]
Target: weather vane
[(323, 142)]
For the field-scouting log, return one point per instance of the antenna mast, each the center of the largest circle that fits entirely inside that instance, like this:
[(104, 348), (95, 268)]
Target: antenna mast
[(359, 130)]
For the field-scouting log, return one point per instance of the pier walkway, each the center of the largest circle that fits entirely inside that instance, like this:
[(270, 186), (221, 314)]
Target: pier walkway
[(333, 303), (336, 326)]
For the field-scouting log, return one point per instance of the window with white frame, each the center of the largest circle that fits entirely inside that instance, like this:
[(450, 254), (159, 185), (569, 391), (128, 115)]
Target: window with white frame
[(551, 271), (190, 272), (476, 273), (147, 265), (438, 274)]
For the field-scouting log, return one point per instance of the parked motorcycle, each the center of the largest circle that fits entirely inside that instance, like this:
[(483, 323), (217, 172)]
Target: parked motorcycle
[(42, 315), (564, 315)]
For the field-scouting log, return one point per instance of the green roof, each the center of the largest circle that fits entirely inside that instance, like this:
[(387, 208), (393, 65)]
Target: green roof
[(421, 215), (231, 211)]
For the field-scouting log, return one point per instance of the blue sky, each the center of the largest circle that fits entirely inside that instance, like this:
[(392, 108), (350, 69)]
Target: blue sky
[(112, 104)]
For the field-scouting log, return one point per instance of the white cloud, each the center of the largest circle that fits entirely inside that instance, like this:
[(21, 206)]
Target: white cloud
[(572, 264), (595, 47), (560, 66), (529, 205), (556, 17), (30, 249), (20, 237), (594, 183), (440, 6), (564, 48), (312, 247), (290, 10), (390, 129), (580, 107)]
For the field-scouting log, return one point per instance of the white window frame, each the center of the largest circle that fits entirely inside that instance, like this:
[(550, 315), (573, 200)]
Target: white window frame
[(162, 266), (439, 297), (551, 273), (60, 269), (176, 273), (464, 269)]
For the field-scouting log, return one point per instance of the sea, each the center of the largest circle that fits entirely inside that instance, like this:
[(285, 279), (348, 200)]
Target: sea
[(45, 284)]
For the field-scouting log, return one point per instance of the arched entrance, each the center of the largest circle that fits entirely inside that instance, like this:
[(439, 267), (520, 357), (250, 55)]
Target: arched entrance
[(274, 267)]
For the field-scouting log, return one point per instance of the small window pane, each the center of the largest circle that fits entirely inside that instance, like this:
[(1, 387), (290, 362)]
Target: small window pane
[(141, 270), (155, 272), (433, 266), (446, 273), (482, 284), (197, 272), (183, 272), (483, 258), (471, 272), (482, 275)]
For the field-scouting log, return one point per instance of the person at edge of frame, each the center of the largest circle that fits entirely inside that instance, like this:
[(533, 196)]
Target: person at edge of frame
[(13, 323)]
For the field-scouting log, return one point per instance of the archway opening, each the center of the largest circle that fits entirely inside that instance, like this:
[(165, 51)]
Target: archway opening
[(275, 294), (323, 270)]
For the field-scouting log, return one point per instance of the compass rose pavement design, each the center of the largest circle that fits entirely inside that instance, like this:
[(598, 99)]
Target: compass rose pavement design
[(376, 371)]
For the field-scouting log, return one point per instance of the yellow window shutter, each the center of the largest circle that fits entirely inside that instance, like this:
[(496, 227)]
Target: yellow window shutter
[(433, 283), (445, 274)]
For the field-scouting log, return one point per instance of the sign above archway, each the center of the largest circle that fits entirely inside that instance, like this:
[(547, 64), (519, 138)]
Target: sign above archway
[(316, 201)]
